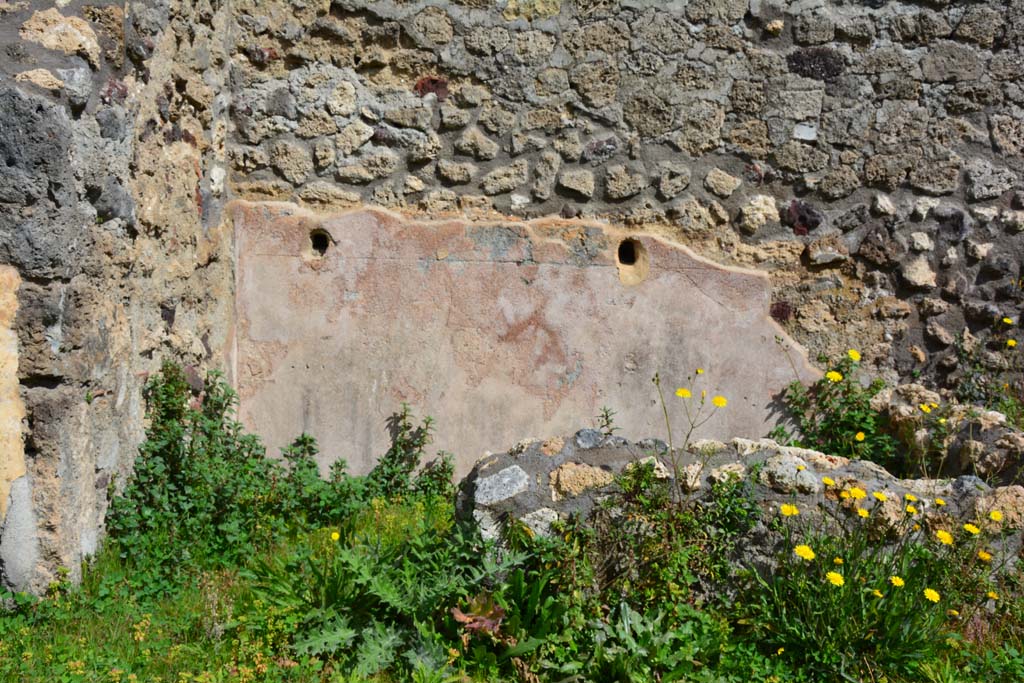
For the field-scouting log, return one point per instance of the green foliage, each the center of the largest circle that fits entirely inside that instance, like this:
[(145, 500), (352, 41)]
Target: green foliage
[(834, 415), (651, 551), (847, 602), (226, 567), (372, 590), (662, 645), (606, 421), (202, 492), (393, 475)]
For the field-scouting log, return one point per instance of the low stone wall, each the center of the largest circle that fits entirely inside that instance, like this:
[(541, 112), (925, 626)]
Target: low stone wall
[(540, 482)]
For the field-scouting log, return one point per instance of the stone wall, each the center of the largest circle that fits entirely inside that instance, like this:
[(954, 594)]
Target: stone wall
[(110, 232), (540, 483), (866, 155)]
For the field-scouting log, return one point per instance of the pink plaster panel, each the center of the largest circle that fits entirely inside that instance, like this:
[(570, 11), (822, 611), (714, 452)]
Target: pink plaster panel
[(500, 331)]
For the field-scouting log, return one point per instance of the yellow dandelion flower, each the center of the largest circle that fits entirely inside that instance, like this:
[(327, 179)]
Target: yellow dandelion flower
[(335, 536), (788, 510), (939, 502), (835, 578), (863, 513), (953, 613), (800, 468), (837, 560), (910, 498), (880, 496), (877, 593), (917, 527), (945, 538), (804, 552), (995, 516), (984, 556), (992, 595), (942, 420), (844, 494), (854, 355), (1010, 343), (780, 650), (1008, 321), (700, 371), (682, 392), (828, 481), (925, 408), (931, 595), (896, 581), (719, 401), (971, 529), (833, 376), (911, 509), (859, 436), (934, 404), (857, 493)]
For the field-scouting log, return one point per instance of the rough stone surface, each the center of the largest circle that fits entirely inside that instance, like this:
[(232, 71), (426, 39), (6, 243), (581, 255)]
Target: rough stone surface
[(827, 250), (572, 479), (502, 485), (293, 161), (40, 77), (788, 473), (505, 179), (803, 478), (918, 273), (757, 213), (623, 182), (111, 144), (580, 181), (721, 183), (70, 35)]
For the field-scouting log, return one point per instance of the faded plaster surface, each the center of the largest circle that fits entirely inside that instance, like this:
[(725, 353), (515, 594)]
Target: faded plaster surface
[(497, 330)]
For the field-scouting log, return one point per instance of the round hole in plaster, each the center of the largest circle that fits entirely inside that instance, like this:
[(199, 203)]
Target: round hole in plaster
[(632, 261), (319, 242)]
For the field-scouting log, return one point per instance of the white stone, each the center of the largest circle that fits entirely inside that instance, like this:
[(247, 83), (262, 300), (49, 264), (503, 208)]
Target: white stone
[(805, 131), (978, 251), (690, 477), (787, 473), (883, 205), (734, 471), (519, 201), (488, 525), (217, 177), (19, 544), (920, 241), (540, 521), (509, 482), (918, 273), (923, 206)]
